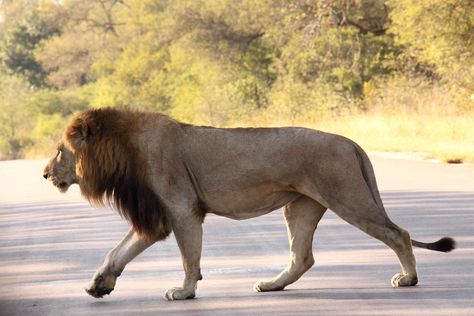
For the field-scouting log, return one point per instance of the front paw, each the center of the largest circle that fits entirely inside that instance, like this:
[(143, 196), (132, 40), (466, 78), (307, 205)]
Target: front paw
[(98, 292), (178, 293), (266, 286), (101, 285)]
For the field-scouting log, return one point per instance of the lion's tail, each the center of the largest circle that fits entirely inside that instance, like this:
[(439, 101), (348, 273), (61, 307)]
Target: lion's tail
[(445, 244)]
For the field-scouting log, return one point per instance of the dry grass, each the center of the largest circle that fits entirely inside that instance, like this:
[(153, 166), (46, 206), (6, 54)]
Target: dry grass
[(403, 115), (449, 138), (444, 135)]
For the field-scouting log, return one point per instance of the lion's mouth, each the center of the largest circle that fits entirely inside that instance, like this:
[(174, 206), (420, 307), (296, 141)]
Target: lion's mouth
[(62, 186)]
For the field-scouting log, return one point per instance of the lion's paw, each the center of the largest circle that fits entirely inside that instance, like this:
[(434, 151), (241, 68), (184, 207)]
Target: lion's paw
[(98, 292), (101, 285), (265, 286), (178, 293), (403, 280)]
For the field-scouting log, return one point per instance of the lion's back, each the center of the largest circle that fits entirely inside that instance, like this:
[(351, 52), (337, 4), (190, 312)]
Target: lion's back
[(253, 154)]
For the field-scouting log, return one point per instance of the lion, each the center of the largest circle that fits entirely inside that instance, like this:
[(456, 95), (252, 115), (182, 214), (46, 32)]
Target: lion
[(164, 176)]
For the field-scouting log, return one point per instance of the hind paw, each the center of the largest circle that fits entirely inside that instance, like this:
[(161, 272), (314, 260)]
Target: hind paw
[(399, 280), (178, 293)]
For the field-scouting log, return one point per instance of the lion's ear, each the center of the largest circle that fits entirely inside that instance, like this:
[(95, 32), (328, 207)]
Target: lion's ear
[(78, 133)]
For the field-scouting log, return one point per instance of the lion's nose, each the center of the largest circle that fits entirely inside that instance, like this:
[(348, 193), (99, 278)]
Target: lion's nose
[(45, 175)]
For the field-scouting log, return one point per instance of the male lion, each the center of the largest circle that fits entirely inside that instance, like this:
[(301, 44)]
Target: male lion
[(163, 176)]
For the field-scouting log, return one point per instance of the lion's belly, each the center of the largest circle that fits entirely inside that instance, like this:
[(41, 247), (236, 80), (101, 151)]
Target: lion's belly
[(245, 205)]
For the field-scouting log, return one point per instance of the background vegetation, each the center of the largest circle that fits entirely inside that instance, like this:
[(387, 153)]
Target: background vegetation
[(394, 75)]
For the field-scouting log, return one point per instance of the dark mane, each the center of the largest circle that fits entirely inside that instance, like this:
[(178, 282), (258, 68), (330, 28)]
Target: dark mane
[(113, 171)]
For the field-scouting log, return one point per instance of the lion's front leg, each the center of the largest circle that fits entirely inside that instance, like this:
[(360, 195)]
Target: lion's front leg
[(103, 281), (188, 233)]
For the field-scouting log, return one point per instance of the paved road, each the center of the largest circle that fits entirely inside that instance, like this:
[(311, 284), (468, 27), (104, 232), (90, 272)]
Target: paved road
[(51, 244)]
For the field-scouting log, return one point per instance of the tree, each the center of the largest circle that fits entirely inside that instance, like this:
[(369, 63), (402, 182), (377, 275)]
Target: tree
[(88, 34), (14, 119), (342, 43), (439, 33), (224, 62), (23, 29), (200, 61)]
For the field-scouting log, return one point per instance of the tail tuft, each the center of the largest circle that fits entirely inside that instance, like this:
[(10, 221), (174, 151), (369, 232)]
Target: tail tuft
[(445, 244)]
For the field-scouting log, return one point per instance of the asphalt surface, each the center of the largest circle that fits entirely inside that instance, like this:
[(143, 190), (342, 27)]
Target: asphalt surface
[(51, 244)]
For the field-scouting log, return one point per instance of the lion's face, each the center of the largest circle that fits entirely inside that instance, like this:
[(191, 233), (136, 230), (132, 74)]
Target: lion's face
[(61, 168)]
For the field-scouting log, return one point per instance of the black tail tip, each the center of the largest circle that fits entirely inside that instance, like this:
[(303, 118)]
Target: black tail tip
[(445, 244)]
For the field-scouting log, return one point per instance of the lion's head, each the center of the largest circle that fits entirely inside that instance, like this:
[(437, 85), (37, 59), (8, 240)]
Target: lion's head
[(61, 168), (99, 152)]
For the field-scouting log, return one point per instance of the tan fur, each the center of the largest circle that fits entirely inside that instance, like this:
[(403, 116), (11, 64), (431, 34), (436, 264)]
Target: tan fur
[(162, 175), (110, 169)]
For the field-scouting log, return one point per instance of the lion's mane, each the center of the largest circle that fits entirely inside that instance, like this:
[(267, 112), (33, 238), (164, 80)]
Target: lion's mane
[(112, 170)]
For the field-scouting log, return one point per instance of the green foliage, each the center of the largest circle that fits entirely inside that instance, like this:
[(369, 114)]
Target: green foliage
[(49, 127), (225, 62), (440, 33), (32, 118), (341, 43), (88, 35), (22, 31), (64, 103), (14, 115)]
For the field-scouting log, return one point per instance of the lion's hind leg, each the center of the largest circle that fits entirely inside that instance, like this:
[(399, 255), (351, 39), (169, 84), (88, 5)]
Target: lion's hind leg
[(302, 217), (375, 222)]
